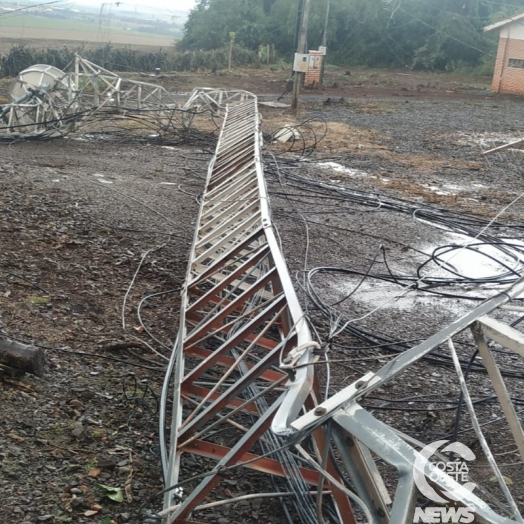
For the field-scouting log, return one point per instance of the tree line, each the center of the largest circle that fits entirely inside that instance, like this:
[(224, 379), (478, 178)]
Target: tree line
[(420, 34)]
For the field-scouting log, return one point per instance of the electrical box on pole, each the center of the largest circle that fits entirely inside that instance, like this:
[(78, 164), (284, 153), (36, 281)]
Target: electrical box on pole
[(301, 50), (301, 63)]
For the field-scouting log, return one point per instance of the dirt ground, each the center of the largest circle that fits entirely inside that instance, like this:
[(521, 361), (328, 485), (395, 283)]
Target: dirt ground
[(95, 238), (340, 82)]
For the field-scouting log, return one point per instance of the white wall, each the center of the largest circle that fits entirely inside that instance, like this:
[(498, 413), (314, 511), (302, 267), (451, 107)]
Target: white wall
[(514, 30)]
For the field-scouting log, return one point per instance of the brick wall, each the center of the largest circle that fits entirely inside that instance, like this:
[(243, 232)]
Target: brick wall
[(508, 79), (312, 78)]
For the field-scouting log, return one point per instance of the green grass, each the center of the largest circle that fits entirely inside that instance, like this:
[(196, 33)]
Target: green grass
[(38, 301), (43, 23), (40, 22)]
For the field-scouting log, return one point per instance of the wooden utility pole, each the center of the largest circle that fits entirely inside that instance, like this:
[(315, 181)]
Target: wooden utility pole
[(300, 12), (301, 48), (324, 35), (324, 41), (230, 57)]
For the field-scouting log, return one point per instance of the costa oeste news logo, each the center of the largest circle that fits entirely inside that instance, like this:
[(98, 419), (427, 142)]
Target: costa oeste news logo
[(458, 470)]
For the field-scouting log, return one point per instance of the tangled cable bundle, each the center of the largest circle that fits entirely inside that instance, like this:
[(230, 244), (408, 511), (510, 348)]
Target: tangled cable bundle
[(497, 242), (304, 137), (125, 125)]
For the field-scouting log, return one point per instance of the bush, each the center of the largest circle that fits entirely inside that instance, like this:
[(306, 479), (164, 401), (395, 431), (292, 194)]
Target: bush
[(124, 59), (21, 57)]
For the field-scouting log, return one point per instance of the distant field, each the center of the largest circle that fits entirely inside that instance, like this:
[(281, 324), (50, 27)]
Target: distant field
[(39, 30)]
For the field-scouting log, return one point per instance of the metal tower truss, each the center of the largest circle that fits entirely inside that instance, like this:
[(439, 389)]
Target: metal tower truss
[(41, 103), (48, 103), (242, 330), (363, 441), (215, 100), (98, 88), (246, 394)]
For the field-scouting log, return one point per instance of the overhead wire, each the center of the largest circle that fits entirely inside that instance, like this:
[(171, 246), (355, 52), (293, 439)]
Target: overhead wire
[(9, 14)]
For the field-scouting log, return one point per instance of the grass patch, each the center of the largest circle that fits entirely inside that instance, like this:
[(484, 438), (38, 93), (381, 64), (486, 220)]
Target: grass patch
[(40, 22), (374, 107), (38, 301)]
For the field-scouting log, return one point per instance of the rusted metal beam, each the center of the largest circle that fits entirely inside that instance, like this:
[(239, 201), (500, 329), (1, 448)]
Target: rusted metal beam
[(241, 316)]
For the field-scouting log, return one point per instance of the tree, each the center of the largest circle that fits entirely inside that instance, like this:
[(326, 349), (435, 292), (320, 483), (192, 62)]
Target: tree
[(415, 33), (211, 21)]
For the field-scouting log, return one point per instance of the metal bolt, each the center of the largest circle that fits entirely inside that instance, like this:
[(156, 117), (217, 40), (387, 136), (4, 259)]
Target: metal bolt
[(320, 411), (360, 384)]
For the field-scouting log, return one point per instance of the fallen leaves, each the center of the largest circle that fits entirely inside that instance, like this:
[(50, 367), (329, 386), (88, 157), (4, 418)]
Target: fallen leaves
[(79, 312), (113, 493), (15, 437), (20, 385), (507, 480), (95, 508)]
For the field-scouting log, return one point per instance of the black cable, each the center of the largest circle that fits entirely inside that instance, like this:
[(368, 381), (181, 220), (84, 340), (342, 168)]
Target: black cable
[(36, 286), (450, 220), (361, 281), (136, 393)]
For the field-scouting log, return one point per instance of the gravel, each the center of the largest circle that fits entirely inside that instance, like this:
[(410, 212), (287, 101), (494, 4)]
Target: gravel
[(77, 217)]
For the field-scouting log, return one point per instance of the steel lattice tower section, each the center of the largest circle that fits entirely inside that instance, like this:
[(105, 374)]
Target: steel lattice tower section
[(241, 326)]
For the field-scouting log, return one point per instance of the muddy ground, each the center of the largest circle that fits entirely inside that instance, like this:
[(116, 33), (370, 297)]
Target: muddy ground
[(91, 228), (339, 82)]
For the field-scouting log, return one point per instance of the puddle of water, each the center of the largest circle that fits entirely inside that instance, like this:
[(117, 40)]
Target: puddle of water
[(438, 190), (373, 294), (339, 168), (449, 189), (487, 140), (473, 263)]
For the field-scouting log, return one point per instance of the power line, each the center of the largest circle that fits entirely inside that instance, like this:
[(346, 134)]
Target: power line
[(6, 14), (447, 34)]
